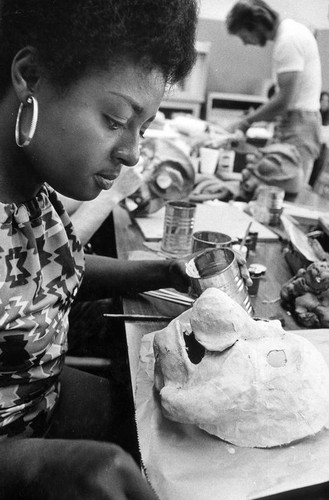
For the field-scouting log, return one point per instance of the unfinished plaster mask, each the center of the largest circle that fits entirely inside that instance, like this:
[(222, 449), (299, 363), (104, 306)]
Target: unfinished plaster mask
[(248, 382)]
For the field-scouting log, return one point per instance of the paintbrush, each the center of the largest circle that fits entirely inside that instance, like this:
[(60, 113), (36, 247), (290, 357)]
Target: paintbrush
[(246, 234), (138, 317), (170, 297)]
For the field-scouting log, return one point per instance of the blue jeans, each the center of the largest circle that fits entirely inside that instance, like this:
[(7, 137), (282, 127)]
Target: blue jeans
[(303, 130)]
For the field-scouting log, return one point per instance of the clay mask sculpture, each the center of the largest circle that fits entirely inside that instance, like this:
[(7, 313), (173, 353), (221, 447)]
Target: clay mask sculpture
[(167, 173), (248, 382)]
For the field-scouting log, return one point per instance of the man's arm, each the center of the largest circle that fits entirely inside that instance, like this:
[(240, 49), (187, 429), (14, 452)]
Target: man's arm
[(287, 86)]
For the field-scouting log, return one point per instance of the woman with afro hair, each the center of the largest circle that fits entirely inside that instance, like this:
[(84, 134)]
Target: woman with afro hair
[(81, 80)]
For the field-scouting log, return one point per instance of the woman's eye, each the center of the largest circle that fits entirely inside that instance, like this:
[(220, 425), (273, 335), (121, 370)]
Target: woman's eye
[(113, 124)]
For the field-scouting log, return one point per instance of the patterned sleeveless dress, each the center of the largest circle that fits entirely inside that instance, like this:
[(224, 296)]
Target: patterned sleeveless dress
[(41, 268)]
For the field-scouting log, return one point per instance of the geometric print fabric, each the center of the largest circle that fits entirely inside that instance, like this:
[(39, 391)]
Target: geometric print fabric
[(41, 268)]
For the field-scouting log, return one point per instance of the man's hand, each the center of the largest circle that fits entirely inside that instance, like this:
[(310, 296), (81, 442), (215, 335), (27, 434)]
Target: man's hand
[(239, 127), (233, 134)]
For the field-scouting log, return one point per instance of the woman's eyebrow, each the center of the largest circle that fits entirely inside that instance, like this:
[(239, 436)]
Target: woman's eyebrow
[(136, 107)]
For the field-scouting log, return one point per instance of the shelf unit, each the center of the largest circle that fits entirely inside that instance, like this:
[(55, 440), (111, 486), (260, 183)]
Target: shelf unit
[(223, 107)]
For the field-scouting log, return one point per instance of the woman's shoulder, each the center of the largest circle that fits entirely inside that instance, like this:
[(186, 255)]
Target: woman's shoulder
[(44, 202)]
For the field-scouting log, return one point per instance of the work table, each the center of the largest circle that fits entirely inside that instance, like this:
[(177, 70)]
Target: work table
[(130, 245)]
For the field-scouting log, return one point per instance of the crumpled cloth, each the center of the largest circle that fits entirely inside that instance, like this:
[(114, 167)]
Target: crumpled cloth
[(209, 187), (279, 165)]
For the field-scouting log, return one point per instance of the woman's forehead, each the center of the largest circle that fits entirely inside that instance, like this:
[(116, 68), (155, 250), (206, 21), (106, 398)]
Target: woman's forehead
[(136, 84), (133, 88)]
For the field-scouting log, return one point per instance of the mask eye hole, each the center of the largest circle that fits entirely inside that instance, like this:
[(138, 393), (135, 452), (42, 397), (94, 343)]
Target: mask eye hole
[(277, 359), (195, 351)]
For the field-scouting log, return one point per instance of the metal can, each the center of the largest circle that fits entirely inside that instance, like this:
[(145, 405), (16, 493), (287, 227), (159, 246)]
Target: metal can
[(270, 199), (178, 228), (218, 268), (256, 271)]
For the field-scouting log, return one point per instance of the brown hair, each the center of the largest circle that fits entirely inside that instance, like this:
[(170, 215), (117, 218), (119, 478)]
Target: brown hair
[(249, 14)]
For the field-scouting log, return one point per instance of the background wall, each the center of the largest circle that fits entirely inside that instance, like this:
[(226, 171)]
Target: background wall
[(323, 41), (311, 12), (236, 68)]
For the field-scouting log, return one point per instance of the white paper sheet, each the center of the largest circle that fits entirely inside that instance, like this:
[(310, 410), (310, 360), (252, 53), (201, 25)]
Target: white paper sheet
[(222, 217), (298, 239)]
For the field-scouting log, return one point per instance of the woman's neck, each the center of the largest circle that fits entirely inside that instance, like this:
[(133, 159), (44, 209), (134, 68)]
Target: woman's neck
[(16, 190)]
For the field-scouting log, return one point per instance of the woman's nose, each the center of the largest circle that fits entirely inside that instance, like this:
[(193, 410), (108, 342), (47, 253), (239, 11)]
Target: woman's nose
[(128, 152)]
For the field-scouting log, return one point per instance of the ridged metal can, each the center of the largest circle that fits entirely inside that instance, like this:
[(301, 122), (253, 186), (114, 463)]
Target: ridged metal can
[(178, 228), (272, 198), (218, 268), (256, 272), (210, 239)]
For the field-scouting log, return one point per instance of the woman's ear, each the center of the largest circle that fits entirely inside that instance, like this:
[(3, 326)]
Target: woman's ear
[(25, 72)]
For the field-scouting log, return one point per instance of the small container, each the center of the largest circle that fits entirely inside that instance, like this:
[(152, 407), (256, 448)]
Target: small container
[(208, 160), (209, 239), (269, 205), (178, 228), (218, 268), (225, 161), (251, 241), (256, 272)]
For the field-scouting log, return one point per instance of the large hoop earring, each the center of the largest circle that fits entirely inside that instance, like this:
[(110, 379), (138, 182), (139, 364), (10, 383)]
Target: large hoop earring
[(34, 121)]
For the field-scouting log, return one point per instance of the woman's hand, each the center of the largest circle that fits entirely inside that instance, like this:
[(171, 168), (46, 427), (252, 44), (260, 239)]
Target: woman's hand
[(45, 469), (179, 279)]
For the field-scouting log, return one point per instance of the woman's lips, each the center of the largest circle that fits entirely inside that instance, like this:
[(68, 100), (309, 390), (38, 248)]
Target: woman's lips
[(103, 182)]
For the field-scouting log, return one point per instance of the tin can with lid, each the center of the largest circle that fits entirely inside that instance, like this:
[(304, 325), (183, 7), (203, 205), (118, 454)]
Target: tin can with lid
[(256, 272), (270, 199)]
